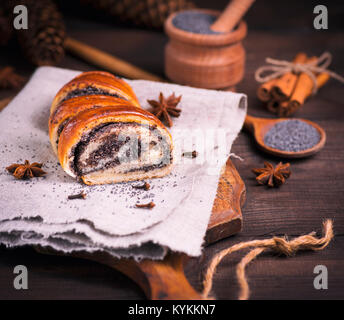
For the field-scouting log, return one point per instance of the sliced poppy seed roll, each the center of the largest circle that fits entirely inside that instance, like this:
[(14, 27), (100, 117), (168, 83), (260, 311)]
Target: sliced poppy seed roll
[(107, 139)]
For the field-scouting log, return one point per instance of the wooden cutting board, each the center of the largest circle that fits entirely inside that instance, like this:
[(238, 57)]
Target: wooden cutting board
[(165, 279)]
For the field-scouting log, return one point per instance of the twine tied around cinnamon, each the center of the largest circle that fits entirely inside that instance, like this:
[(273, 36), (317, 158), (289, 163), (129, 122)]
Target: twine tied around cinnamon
[(278, 68), (280, 245)]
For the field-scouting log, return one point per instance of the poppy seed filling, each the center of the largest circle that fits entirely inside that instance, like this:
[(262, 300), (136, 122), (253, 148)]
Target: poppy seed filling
[(125, 144), (89, 90)]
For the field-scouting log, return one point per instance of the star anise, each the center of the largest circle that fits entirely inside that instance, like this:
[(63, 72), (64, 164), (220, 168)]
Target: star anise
[(9, 79), (26, 170), (271, 176), (164, 108)]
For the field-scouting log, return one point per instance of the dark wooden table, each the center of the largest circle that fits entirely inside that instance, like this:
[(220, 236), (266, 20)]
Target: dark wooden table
[(314, 192)]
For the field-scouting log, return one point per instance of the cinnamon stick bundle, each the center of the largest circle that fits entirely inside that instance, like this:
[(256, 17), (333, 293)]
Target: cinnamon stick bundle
[(286, 94), (284, 86)]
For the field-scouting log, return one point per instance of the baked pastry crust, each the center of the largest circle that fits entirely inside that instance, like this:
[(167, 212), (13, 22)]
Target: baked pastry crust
[(103, 82), (101, 138), (68, 109)]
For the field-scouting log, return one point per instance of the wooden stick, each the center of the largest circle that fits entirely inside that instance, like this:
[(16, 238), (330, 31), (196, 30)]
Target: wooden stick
[(230, 17), (107, 61)]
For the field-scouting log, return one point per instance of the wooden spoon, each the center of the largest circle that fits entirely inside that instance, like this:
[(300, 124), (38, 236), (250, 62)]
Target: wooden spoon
[(260, 126)]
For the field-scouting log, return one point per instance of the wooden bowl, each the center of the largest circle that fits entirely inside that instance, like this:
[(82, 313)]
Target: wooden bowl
[(212, 61)]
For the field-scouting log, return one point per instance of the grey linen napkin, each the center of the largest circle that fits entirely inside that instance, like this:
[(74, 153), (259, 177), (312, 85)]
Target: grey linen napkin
[(37, 211)]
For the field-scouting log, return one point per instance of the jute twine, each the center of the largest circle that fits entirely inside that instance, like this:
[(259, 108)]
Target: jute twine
[(280, 245), (278, 68)]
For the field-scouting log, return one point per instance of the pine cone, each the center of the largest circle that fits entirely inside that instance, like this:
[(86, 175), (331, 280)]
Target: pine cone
[(5, 27), (43, 41), (148, 13)]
